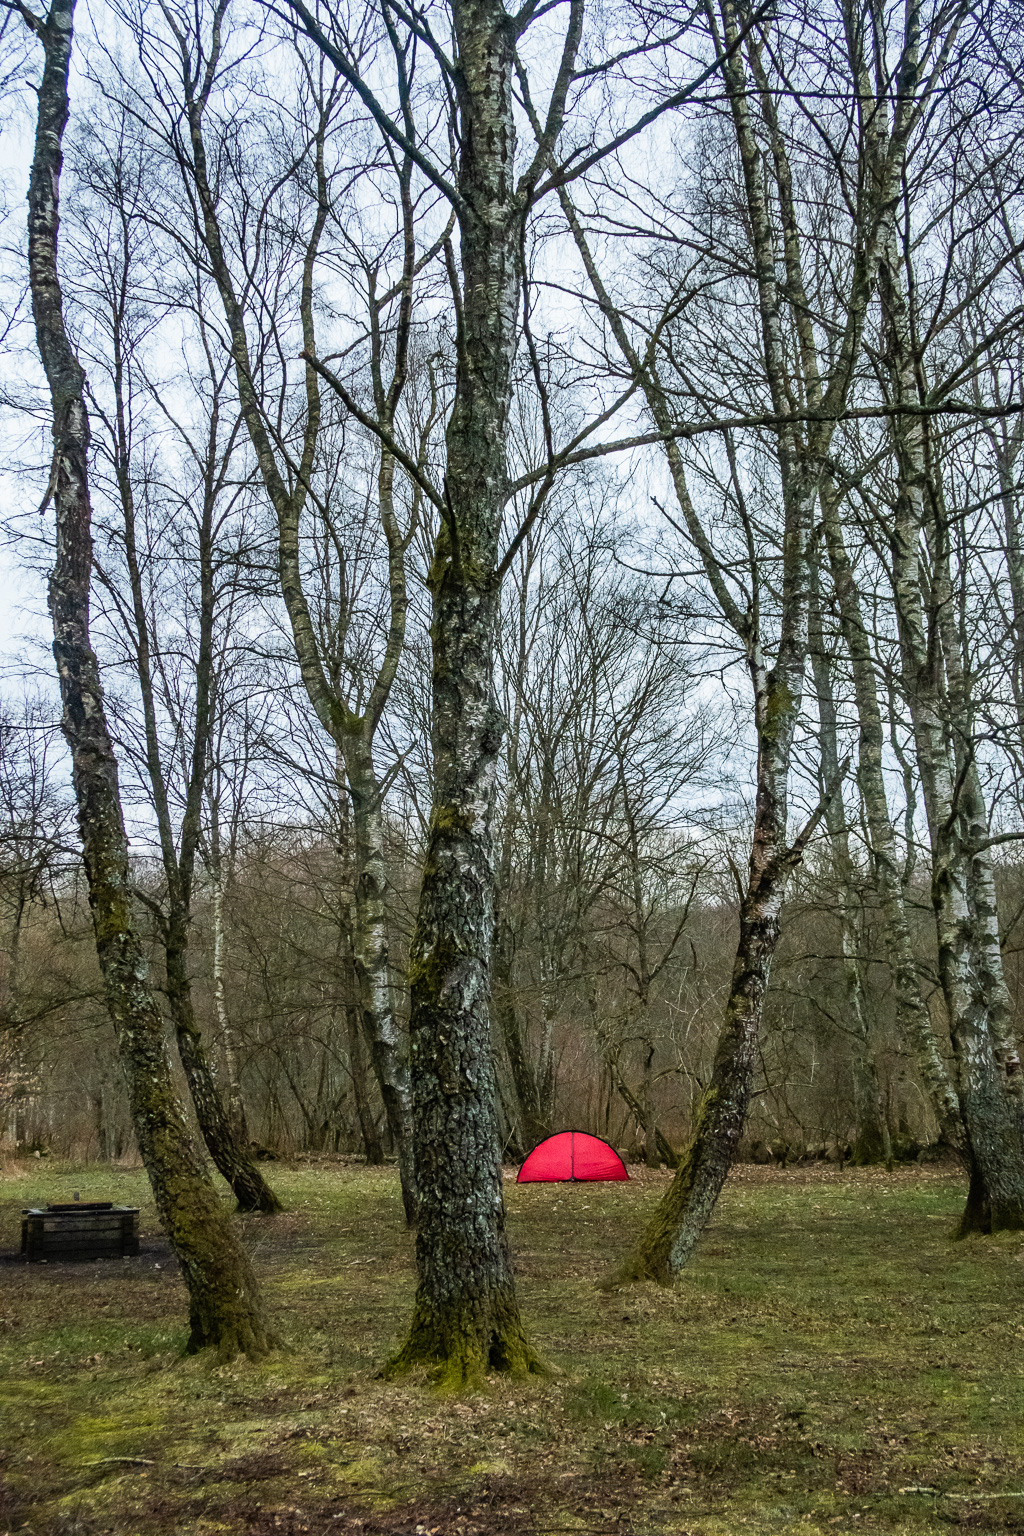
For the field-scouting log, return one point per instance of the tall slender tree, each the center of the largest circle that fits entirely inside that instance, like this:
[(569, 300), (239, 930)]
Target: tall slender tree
[(225, 1306)]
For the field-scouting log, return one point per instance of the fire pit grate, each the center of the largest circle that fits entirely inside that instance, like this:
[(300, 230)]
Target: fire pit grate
[(83, 1229)]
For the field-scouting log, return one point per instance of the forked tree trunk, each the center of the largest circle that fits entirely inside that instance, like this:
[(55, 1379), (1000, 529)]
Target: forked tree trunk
[(230, 1153), (225, 1307), (466, 1315), (352, 733)]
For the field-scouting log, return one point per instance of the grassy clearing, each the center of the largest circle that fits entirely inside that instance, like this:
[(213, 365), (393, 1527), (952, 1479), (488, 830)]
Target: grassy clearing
[(829, 1350)]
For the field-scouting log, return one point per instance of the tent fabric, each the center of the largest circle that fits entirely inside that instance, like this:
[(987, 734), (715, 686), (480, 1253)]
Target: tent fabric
[(571, 1155)]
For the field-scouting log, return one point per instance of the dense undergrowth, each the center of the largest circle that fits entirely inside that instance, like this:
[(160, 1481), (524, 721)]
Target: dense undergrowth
[(832, 1361)]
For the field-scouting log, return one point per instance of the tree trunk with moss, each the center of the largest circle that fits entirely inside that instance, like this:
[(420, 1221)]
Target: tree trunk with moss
[(225, 1308), (466, 1315), (685, 1210)]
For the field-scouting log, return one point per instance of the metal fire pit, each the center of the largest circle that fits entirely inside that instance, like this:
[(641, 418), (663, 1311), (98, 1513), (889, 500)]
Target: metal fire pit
[(86, 1229)]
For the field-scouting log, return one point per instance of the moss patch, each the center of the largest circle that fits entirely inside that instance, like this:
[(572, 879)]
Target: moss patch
[(831, 1362)]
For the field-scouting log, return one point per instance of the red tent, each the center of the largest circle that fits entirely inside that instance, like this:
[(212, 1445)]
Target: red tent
[(571, 1155)]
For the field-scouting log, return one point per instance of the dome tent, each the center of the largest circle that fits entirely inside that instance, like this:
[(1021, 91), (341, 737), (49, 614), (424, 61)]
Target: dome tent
[(571, 1156)]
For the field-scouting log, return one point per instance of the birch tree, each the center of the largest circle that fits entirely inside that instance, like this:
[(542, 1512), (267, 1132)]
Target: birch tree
[(166, 571), (466, 1316), (187, 67), (910, 367), (225, 1307)]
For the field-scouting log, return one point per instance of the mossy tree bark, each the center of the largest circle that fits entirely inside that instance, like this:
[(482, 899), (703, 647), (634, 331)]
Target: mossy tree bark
[(466, 1316), (777, 688), (225, 1308)]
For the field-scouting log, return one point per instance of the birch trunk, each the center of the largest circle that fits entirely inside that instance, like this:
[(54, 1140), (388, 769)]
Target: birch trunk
[(230, 1155), (372, 1148), (466, 1315), (668, 1243), (352, 733), (911, 1013), (996, 1195), (777, 691), (233, 1088), (370, 962), (872, 1143), (1006, 448), (980, 879), (225, 1307)]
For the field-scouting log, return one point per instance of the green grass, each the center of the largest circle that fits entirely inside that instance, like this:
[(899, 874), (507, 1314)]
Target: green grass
[(830, 1349)]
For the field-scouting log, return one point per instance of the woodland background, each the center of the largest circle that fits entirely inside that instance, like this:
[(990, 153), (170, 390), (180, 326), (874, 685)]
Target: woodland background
[(626, 779)]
